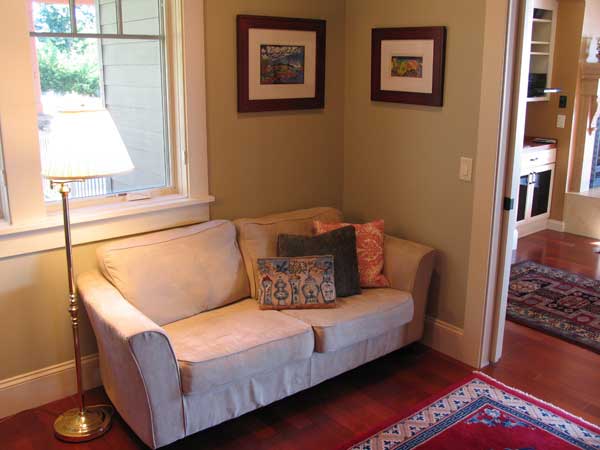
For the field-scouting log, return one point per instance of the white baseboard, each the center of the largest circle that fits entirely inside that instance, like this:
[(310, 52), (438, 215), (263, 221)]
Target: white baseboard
[(533, 226), (45, 385), (556, 225), (525, 229), (444, 337)]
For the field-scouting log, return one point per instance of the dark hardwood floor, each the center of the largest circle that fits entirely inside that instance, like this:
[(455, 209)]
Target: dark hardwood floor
[(334, 412), (320, 418), (562, 251), (559, 372)]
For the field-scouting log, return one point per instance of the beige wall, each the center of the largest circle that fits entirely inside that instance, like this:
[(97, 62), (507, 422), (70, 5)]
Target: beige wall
[(541, 116), (35, 331), (265, 162), (401, 161)]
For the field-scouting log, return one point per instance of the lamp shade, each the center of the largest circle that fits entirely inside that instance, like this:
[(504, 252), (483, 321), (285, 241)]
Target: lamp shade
[(84, 144)]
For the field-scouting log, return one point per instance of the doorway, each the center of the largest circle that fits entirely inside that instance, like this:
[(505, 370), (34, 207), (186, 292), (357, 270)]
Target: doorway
[(548, 272)]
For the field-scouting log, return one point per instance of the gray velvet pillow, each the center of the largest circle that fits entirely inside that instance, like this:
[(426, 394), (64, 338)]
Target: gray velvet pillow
[(340, 243)]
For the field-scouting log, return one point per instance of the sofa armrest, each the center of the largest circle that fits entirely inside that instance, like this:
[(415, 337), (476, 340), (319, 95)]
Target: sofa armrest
[(408, 266), (138, 366)]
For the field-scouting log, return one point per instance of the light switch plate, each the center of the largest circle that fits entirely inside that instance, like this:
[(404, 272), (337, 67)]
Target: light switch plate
[(560, 121), (466, 169)]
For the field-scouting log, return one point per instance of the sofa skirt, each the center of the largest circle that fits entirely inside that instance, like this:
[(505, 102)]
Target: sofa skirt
[(234, 399)]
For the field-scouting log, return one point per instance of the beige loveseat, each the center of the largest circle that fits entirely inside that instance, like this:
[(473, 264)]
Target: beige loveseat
[(183, 345)]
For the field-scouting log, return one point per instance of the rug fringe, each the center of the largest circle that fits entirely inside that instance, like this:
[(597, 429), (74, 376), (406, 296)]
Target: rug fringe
[(532, 397)]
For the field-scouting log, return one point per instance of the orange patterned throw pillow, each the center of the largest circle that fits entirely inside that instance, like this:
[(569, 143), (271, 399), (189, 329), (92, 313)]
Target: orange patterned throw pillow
[(369, 247)]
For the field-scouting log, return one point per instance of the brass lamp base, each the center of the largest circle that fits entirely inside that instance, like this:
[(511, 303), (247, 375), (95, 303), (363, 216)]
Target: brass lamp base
[(77, 426)]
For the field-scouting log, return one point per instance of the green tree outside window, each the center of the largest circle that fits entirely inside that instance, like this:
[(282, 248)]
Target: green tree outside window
[(67, 65)]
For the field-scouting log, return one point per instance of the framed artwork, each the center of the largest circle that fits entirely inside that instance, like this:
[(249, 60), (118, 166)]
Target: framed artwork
[(407, 65), (280, 63)]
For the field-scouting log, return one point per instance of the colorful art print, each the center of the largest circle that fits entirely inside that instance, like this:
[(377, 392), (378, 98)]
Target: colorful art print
[(400, 72), (407, 66), (296, 283), (281, 64)]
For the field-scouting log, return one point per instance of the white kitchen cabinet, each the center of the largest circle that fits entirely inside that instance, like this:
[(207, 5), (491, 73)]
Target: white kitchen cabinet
[(535, 189)]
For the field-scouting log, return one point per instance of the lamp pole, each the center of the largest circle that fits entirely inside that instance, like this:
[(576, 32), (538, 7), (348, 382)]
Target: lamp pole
[(65, 190), (81, 423)]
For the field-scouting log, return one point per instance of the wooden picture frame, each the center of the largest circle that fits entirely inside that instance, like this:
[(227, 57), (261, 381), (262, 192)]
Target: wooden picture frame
[(407, 65), (296, 80)]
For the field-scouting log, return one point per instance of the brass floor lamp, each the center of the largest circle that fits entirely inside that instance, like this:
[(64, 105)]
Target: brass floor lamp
[(82, 145)]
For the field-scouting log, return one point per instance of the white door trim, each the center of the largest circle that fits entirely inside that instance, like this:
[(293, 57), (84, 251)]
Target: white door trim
[(513, 127), (487, 190)]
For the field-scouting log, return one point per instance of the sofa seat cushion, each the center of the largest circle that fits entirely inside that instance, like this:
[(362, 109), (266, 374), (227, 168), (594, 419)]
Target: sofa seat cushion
[(357, 318), (235, 342)]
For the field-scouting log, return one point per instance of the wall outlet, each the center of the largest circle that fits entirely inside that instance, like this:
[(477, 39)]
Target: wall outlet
[(465, 172), (560, 121)]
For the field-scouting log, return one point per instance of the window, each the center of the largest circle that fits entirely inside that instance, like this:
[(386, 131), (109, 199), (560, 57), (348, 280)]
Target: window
[(167, 80), (109, 55)]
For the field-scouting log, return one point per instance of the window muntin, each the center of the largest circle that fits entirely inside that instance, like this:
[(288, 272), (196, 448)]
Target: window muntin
[(115, 60)]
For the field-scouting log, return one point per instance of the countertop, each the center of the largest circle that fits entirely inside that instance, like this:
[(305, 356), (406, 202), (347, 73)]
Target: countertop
[(529, 145)]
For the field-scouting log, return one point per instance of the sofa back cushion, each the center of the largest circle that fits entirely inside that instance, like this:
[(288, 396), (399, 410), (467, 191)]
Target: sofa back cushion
[(258, 237), (173, 274)]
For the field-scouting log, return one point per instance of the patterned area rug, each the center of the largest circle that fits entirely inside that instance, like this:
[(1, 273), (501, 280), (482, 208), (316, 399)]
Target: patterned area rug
[(556, 302), (483, 414)]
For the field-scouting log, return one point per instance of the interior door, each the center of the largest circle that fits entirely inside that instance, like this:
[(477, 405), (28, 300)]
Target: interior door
[(517, 100)]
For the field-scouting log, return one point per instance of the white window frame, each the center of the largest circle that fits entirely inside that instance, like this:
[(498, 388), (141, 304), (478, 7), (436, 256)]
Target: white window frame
[(3, 187), (167, 62), (30, 225)]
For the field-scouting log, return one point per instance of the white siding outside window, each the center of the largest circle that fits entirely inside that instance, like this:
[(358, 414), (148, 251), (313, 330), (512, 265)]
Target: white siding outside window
[(134, 91)]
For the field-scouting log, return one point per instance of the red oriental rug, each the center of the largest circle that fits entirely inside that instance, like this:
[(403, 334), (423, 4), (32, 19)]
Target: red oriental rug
[(556, 302), (483, 414)]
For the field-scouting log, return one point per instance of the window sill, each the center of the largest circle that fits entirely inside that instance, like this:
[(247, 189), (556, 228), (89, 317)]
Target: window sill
[(591, 193), (101, 222)]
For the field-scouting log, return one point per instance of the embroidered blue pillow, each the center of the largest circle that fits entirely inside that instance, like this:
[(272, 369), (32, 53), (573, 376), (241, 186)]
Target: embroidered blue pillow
[(296, 282)]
